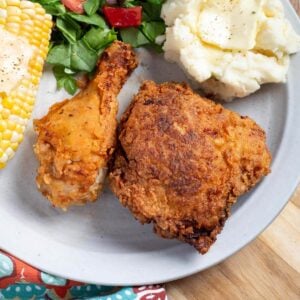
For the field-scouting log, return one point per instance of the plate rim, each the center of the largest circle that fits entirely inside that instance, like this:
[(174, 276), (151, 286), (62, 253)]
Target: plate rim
[(40, 262)]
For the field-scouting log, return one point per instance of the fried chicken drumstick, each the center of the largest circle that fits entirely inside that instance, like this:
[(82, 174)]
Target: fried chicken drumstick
[(77, 137), (183, 160)]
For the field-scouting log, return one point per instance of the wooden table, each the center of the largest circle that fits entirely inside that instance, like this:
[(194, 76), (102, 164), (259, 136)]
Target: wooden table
[(268, 268)]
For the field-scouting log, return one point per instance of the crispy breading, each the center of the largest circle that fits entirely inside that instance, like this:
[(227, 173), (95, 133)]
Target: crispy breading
[(183, 160), (77, 137)]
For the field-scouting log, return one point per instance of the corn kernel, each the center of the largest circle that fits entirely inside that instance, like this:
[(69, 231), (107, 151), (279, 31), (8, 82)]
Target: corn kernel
[(7, 135), (4, 144), (14, 146), (3, 125)]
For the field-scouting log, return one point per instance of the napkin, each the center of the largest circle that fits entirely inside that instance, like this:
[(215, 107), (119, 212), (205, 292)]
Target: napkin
[(18, 280)]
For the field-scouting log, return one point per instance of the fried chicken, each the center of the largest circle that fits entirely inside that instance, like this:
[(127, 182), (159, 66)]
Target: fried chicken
[(183, 160), (77, 137)]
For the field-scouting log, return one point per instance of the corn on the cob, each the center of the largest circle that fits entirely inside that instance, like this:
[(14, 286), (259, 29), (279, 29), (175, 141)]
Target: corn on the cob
[(28, 20)]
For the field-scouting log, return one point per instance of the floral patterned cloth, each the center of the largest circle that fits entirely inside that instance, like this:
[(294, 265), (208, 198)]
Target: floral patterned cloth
[(20, 281)]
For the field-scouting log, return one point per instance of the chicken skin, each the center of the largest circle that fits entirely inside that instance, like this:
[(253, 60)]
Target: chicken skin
[(77, 137), (183, 160)]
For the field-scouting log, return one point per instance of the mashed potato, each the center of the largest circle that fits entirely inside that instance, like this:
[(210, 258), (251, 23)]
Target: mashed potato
[(230, 47)]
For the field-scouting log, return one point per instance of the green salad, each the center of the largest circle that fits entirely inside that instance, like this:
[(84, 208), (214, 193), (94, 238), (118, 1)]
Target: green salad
[(83, 29)]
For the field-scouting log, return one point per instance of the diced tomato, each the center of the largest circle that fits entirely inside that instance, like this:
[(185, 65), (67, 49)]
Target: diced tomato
[(75, 6), (121, 17)]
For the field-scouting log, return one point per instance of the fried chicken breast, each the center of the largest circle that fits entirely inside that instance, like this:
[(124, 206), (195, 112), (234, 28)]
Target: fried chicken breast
[(183, 160), (77, 137)]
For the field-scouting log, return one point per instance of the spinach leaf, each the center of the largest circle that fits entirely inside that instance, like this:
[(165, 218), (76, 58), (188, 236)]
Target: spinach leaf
[(46, 2), (82, 57), (97, 38), (131, 3), (76, 56), (94, 19), (64, 80), (156, 2), (60, 55), (70, 85), (69, 28), (55, 10), (69, 71), (52, 7), (153, 29), (151, 11), (91, 6), (134, 37)]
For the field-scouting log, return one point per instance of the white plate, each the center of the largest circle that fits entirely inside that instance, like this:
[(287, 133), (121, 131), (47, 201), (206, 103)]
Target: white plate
[(102, 243)]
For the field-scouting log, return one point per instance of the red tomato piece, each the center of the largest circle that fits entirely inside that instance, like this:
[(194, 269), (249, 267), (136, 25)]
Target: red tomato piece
[(75, 6), (121, 17)]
